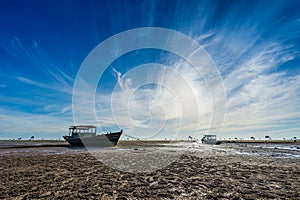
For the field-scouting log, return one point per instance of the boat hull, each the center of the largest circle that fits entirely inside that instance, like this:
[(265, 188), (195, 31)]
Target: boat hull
[(213, 142), (105, 140)]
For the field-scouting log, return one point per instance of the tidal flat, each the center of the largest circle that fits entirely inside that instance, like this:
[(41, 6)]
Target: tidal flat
[(190, 171)]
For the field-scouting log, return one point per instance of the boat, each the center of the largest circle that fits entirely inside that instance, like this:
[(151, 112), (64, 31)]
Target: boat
[(86, 135), (210, 139)]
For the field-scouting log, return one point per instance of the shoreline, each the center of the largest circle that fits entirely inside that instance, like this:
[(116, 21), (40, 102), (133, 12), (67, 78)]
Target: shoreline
[(11, 144), (159, 141), (28, 144), (262, 141)]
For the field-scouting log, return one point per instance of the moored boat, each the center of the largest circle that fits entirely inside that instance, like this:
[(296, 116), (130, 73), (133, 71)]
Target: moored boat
[(85, 135), (210, 139)]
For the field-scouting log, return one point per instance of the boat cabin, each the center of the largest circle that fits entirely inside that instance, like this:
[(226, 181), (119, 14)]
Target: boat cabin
[(209, 139), (82, 131)]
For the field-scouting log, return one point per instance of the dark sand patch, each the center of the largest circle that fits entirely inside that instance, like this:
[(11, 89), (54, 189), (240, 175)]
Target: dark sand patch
[(78, 175)]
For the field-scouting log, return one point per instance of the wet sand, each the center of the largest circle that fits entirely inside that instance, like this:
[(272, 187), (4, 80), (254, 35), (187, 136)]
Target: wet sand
[(218, 174)]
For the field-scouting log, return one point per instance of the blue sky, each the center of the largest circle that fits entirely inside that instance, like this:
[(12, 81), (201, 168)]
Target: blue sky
[(254, 44)]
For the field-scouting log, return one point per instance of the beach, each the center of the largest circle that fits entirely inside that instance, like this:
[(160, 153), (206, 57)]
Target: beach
[(198, 172)]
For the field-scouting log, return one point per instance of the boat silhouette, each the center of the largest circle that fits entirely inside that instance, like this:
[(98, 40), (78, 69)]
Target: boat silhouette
[(85, 135)]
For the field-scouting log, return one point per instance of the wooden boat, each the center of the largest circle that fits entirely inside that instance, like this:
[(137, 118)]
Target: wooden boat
[(85, 135), (210, 139)]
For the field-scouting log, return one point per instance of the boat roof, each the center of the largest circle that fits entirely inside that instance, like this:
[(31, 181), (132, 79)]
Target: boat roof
[(210, 135), (83, 127)]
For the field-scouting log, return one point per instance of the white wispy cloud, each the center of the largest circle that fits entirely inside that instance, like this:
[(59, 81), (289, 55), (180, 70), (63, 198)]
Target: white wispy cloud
[(57, 79), (60, 85), (260, 99), (259, 96), (36, 107), (22, 124), (173, 108)]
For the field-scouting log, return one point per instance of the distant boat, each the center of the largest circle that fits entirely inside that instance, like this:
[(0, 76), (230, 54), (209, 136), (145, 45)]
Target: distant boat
[(85, 135), (210, 139)]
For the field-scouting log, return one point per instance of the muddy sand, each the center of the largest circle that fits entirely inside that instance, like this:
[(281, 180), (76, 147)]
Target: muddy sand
[(193, 175)]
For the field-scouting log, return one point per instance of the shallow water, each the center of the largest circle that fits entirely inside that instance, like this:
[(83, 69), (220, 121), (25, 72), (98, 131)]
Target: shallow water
[(266, 150), (16, 143)]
